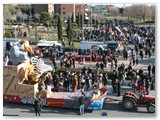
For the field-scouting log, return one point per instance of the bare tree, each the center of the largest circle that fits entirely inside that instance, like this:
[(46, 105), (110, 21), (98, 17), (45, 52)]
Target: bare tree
[(138, 11), (10, 12), (152, 12), (114, 11), (7, 16), (24, 17), (128, 11)]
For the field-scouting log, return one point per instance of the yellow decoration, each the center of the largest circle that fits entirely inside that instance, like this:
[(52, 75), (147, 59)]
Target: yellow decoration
[(26, 46), (31, 75)]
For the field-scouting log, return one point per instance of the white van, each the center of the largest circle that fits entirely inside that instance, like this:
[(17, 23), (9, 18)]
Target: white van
[(89, 44), (46, 43)]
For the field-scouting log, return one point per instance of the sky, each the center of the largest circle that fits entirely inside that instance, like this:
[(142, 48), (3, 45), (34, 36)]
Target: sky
[(117, 5)]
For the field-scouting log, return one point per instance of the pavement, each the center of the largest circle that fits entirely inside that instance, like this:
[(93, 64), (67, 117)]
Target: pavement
[(142, 63)]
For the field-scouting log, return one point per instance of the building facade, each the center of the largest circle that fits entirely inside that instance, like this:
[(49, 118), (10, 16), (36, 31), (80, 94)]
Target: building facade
[(66, 10), (38, 8)]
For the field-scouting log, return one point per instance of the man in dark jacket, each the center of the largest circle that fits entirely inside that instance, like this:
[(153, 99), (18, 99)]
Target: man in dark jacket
[(37, 106), (153, 70), (149, 69), (81, 103)]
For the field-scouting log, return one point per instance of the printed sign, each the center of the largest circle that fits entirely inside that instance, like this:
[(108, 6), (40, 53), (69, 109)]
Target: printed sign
[(26, 90), (55, 102), (10, 80)]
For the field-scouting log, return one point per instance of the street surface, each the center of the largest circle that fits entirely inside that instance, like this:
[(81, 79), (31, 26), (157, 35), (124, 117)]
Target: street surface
[(113, 109)]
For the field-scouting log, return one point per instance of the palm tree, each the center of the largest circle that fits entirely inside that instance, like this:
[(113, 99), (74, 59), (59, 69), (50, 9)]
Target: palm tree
[(37, 18), (37, 21), (23, 17)]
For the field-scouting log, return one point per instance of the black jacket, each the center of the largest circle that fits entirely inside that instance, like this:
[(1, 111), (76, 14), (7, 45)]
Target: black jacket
[(81, 100), (37, 106)]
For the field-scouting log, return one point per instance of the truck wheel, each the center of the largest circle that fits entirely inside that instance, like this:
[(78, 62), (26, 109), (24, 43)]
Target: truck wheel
[(151, 108), (128, 104)]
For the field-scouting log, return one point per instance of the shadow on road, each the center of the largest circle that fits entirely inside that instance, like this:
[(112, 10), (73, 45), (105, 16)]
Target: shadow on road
[(50, 110), (116, 106), (147, 61)]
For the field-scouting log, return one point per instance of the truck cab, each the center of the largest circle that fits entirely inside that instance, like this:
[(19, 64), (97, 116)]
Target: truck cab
[(7, 44), (46, 43)]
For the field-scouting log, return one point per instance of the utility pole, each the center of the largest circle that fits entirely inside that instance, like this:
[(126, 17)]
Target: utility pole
[(91, 20), (15, 31), (48, 30)]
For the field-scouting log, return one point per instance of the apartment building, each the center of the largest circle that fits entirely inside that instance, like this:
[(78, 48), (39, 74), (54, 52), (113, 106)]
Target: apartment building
[(38, 8)]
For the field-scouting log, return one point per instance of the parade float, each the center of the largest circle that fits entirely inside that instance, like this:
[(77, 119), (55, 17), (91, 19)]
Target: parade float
[(21, 83)]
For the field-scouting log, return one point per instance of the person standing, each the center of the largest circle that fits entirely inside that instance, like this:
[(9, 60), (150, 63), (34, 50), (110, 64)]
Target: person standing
[(149, 69), (105, 79), (141, 54), (114, 77), (61, 60), (153, 70), (74, 83), (116, 61), (118, 87), (37, 107), (80, 59), (81, 103), (111, 64), (133, 60), (73, 61), (97, 66), (137, 61), (102, 66)]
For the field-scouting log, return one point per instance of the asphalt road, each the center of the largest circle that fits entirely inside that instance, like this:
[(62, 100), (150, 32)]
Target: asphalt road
[(112, 109)]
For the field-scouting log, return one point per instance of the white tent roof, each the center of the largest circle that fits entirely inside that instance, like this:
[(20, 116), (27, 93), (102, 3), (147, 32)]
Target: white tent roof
[(45, 44)]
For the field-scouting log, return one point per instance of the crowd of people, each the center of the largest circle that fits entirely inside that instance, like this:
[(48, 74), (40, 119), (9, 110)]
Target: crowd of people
[(67, 81), (143, 39)]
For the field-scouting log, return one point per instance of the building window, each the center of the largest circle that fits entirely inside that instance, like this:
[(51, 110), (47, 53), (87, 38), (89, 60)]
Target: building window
[(64, 12)]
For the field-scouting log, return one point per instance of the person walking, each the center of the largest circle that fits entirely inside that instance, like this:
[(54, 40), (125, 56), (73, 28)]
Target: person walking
[(137, 61), (81, 103), (149, 69), (37, 107)]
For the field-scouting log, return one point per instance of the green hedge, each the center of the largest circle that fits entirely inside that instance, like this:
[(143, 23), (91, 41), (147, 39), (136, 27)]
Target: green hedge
[(149, 21), (8, 35)]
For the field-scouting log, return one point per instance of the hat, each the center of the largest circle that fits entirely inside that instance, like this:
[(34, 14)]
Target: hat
[(12, 43), (83, 93)]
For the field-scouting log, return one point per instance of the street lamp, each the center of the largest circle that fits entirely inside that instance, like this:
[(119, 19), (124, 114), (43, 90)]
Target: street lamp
[(82, 11), (15, 26), (3, 29)]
